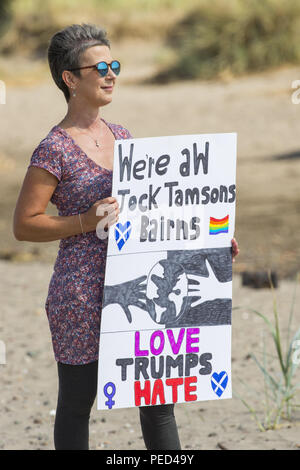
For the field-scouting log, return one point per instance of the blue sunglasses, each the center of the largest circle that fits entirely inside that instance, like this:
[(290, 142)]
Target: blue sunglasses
[(103, 67)]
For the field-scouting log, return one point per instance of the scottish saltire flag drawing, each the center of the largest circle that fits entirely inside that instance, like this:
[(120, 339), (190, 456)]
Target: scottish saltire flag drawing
[(166, 312), (217, 226), (122, 233)]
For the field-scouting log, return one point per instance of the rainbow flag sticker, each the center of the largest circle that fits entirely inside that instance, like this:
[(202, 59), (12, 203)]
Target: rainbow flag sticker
[(218, 225)]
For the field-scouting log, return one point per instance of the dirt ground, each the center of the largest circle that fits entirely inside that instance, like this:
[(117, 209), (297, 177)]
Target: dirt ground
[(260, 109), (29, 382)]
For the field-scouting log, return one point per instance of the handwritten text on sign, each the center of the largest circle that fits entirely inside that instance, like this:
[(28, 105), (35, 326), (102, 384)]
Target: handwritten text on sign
[(166, 311)]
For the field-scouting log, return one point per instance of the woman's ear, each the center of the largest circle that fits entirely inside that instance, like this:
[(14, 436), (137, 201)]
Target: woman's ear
[(69, 79)]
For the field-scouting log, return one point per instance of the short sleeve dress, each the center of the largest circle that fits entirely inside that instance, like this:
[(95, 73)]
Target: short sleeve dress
[(74, 300)]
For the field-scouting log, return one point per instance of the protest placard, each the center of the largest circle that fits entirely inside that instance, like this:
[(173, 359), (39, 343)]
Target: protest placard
[(166, 314)]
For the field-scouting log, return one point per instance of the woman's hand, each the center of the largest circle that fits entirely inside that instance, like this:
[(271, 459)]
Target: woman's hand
[(234, 248), (106, 210)]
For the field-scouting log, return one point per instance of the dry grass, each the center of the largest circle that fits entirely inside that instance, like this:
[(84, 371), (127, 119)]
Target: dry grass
[(34, 21), (203, 39), (232, 38)]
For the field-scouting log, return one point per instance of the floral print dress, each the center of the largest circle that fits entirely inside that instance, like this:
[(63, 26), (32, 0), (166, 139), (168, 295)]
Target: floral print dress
[(74, 300)]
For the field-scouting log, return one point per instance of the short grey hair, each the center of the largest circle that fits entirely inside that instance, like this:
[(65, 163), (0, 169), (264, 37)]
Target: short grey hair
[(66, 47)]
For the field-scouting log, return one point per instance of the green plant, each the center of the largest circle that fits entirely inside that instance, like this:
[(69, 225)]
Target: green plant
[(279, 388), (5, 15), (33, 22)]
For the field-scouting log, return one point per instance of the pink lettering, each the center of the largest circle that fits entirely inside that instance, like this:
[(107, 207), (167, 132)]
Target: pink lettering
[(175, 345), (137, 350), (157, 334), (190, 340)]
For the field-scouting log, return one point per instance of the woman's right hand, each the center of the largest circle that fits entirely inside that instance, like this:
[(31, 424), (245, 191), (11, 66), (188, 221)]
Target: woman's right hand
[(105, 211)]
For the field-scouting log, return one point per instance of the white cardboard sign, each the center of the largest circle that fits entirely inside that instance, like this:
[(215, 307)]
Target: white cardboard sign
[(166, 315)]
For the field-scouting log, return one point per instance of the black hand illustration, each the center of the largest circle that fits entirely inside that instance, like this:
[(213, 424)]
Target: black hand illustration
[(125, 294)]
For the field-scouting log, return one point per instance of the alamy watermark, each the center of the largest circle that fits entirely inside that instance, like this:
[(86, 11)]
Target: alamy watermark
[(2, 352), (2, 92), (296, 94), (296, 354), (166, 222)]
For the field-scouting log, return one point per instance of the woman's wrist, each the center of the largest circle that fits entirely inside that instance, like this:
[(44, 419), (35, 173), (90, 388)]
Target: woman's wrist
[(85, 225)]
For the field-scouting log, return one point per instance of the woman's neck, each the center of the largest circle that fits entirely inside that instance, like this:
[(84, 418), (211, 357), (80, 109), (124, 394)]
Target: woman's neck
[(81, 117)]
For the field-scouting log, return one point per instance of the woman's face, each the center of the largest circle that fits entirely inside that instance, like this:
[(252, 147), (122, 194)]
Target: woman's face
[(91, 87)]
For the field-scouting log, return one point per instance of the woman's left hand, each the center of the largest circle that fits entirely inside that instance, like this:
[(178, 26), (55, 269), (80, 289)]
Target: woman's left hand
[(234, 248)]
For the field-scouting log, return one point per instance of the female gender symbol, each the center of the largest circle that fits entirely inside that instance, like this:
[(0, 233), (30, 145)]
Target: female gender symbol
[(110, 395)]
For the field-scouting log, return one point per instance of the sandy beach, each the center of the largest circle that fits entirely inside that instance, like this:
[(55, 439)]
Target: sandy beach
[(29, 382)]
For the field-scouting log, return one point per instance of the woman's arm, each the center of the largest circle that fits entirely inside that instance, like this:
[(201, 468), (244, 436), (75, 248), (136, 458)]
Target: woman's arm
[(32, 224)]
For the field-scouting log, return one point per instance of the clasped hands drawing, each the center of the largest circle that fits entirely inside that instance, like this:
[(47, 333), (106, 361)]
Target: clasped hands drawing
[(169, 290)]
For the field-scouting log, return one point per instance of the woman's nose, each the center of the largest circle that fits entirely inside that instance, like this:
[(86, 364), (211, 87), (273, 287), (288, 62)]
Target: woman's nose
[(110, 73)]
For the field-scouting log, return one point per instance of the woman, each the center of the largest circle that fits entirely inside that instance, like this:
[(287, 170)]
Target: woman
[(72, 168)]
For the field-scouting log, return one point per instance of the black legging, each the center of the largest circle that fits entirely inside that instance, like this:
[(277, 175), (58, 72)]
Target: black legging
[(76, 395)]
